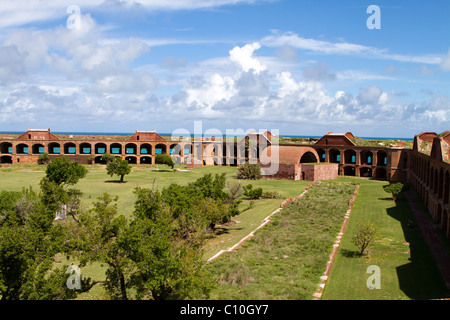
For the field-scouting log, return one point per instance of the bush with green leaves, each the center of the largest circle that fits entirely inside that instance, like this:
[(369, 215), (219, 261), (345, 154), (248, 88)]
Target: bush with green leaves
[(251, 193), (395, 188), (43, 158), (249, 171), (164, 158), (366, 234), (119, 167)]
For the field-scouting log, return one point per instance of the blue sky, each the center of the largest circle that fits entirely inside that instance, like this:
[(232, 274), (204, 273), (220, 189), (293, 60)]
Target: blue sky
[(299, 67)]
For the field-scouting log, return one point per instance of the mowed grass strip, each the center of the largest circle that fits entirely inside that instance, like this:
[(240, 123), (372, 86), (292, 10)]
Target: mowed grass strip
[(285, 259), (407, 268)]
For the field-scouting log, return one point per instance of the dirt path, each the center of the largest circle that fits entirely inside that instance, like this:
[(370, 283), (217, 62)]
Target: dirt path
[(437, 247)]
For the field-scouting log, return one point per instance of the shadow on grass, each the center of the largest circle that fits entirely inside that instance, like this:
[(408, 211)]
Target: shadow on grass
[(420, 278), (350, 253), (114, 181)]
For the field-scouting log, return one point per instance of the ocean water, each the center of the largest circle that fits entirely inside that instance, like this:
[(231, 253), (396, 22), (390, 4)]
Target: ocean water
[(192, 135)]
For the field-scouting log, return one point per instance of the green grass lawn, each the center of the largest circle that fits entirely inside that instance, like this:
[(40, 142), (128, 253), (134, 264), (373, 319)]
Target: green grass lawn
[(285, 259), (404, 274), (97, 182)]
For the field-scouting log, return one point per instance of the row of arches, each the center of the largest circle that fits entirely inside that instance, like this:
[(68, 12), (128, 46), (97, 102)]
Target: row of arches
[(352, 156), (431, 179), (433, 175), (88, 148)]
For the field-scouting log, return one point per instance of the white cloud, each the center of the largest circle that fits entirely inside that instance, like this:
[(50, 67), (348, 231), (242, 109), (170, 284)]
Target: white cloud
[(445, 63), (243, 56), (342, 48), (14, 13)]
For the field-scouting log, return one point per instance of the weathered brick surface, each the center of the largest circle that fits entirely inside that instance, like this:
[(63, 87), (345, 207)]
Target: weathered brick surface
[(316, 172)]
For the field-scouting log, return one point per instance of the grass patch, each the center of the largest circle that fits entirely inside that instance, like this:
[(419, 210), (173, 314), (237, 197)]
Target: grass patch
[(97, 182), (408, 270), (285, 259)]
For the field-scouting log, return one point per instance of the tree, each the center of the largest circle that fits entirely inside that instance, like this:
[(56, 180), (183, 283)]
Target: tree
[(166, 250), (118, 167), (29, 241), (164, 158), (107, 157), (62, 171), (395, 189), (99, 239), (366, 234), (249, 171), (43, 158)]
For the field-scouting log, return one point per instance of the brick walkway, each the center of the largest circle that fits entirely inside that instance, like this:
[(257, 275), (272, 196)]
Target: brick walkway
[(435, 243)]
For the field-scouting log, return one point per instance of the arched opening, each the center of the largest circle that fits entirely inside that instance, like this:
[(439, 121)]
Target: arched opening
[(37, 148), (187, 149), (441, 183), (444, 223), (436, 182), (160, 148), (85, 148), (145, 160), (321, 154), (350, 156), (130, 148), (381, 158), (365, 172), (439, 214), (366, 157), (335, 156), (100, 148), (6, 147), (146, 148), (309, 157), (131, 160), (54, 148), (381, 173), (70, 148), (6, 159), (99, 160), (22, 149), (349, 171), (115, 148), (175, 149), (176, 159), (431, 179), (446, 187)]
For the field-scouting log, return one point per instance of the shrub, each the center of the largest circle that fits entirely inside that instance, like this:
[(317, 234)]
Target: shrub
[(366, 234), (164, 158), (252, 193), (43, 158), (395, 189), (249, 171)]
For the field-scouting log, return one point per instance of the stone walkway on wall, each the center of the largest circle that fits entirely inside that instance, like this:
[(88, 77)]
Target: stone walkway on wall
[(437, 247)]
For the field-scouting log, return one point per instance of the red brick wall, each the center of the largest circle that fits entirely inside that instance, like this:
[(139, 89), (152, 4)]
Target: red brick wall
[(319, 172)]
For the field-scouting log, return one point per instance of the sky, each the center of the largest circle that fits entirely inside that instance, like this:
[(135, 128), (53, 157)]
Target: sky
[(295, 67)]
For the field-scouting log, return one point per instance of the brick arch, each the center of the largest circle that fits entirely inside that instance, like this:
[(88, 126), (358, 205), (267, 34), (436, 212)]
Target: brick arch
[(348, 156), (309, 157), (321, 153), (445, 223), (287, 154), (349, 170), (446, 194)]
